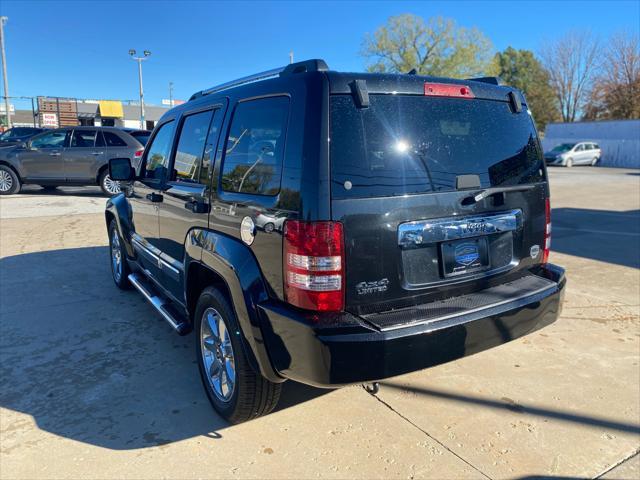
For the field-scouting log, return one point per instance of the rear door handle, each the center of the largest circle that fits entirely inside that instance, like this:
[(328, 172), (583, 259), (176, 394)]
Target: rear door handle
[(154, 197), (54, 154), (97, 153)]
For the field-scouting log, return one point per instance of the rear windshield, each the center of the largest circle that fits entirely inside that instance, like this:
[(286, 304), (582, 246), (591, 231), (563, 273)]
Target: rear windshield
[(410, 144)]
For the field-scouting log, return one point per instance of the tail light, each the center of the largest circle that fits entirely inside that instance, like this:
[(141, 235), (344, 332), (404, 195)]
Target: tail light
[(138, 153), (547, 231), (314, 265), (447, 90)]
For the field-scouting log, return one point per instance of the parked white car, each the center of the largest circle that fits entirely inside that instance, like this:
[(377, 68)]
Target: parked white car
[(570, 154)]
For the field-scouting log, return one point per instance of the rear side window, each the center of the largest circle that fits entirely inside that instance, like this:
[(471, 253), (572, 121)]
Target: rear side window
[(254, 149), (406, 144), (157, 153), (83, 138), (193, 136), (113, 140)]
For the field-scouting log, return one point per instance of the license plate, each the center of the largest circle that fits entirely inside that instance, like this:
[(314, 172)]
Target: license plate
[(465, 256)]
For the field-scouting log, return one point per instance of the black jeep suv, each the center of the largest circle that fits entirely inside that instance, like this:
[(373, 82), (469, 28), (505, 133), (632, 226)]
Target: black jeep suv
[(337, 228)]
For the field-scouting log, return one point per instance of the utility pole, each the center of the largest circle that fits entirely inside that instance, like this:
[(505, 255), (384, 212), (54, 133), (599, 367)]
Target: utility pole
[(140, 60), (170, 94), (3, 20), (291, 56)]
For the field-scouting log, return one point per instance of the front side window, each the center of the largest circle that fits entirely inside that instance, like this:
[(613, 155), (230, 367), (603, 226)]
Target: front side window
[(254, 149), (190, 148), (158, 152), (50, 140), (83, 138)]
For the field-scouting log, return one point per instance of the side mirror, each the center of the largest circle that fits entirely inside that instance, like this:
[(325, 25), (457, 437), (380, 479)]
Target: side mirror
[(120, 169)]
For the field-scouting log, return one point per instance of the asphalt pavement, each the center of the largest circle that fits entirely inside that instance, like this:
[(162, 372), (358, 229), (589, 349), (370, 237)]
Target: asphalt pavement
[(93, 384)]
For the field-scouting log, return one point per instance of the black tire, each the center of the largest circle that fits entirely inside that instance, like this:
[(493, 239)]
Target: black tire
[(104, 182), (9, 181), (252, 395), (119, 273)]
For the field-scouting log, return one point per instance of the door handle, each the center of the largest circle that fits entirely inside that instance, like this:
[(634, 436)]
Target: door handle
[(97, 153), (197, 206), (54, 154), (154, 197)]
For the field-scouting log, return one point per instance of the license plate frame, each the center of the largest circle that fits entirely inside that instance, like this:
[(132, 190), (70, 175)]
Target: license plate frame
[(465, 256)]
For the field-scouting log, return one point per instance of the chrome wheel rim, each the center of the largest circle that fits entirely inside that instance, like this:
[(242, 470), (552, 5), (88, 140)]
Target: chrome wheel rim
[(111, 186), (217, 354), (116, 256), (6, 182)]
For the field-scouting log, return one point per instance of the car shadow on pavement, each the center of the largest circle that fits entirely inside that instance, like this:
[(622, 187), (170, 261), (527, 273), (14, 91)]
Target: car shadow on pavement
[(95, 364), (87, 192), (510, 405), (604, 235)]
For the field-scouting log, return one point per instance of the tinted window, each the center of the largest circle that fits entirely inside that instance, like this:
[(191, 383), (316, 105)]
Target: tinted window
[(212, 138), (83, 138), (254, 149), (142, 137), (157, 154), (113, 140), (50, 140), (410, 144), (191, 146)]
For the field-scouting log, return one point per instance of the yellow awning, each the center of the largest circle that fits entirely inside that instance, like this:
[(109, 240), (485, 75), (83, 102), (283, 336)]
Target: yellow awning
[(111, 108)]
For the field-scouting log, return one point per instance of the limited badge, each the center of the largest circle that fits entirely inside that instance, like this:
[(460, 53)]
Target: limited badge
[(247, 230), (535, 251)]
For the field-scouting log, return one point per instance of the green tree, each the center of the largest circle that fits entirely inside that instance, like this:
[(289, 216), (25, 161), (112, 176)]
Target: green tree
[(435, 47), (522, 70)]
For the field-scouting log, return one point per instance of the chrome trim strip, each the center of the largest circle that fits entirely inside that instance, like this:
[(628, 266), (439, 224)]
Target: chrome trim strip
[(156, 254), (443, 229), (154, 300)]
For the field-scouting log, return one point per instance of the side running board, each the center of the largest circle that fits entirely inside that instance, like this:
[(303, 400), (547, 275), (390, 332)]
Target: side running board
[(161, 304)]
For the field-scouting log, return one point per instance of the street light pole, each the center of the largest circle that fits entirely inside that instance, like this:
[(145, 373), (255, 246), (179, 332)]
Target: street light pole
[(140, 60), (170, 94), (3, 20)]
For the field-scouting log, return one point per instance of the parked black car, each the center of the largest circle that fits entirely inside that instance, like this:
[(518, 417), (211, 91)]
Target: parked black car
[(67, 156), (141, 135), (411, 226), (17, 135)]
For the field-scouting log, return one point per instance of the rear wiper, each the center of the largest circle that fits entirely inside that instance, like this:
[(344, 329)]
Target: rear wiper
[(487, 192)]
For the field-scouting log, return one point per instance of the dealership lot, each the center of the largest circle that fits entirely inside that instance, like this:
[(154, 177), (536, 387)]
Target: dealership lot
[(94, 385)]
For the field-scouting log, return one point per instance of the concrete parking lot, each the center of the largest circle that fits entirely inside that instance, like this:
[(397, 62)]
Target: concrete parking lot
[(95, 385)]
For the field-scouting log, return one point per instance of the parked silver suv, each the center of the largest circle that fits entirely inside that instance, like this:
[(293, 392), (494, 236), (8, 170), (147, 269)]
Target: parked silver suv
[(67, 156), (570, 154)]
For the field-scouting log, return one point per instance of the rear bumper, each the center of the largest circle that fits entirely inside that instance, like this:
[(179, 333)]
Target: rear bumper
[(338, 349)]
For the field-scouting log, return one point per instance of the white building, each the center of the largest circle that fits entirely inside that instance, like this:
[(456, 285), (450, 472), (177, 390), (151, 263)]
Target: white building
[(618, 139)]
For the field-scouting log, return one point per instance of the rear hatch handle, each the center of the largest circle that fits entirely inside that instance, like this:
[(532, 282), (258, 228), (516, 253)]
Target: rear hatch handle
[(487, 192)]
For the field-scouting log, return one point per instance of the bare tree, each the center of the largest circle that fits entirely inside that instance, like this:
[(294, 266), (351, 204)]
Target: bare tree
[(616, 90), (572, 62)]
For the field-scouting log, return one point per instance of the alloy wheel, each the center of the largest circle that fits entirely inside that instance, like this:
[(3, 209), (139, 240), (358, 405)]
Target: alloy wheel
[(217, 354), (111, 186), (6, 182), (116, 255)]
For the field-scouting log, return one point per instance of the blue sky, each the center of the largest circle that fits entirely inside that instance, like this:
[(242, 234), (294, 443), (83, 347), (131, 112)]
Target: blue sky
[(79, 49)]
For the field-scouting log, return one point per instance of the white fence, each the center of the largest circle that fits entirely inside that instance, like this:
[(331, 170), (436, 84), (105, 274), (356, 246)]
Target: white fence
[(619, 139)]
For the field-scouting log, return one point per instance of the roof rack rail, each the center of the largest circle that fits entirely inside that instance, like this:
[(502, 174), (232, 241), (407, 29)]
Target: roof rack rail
[(316, 65), (491, 80)]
